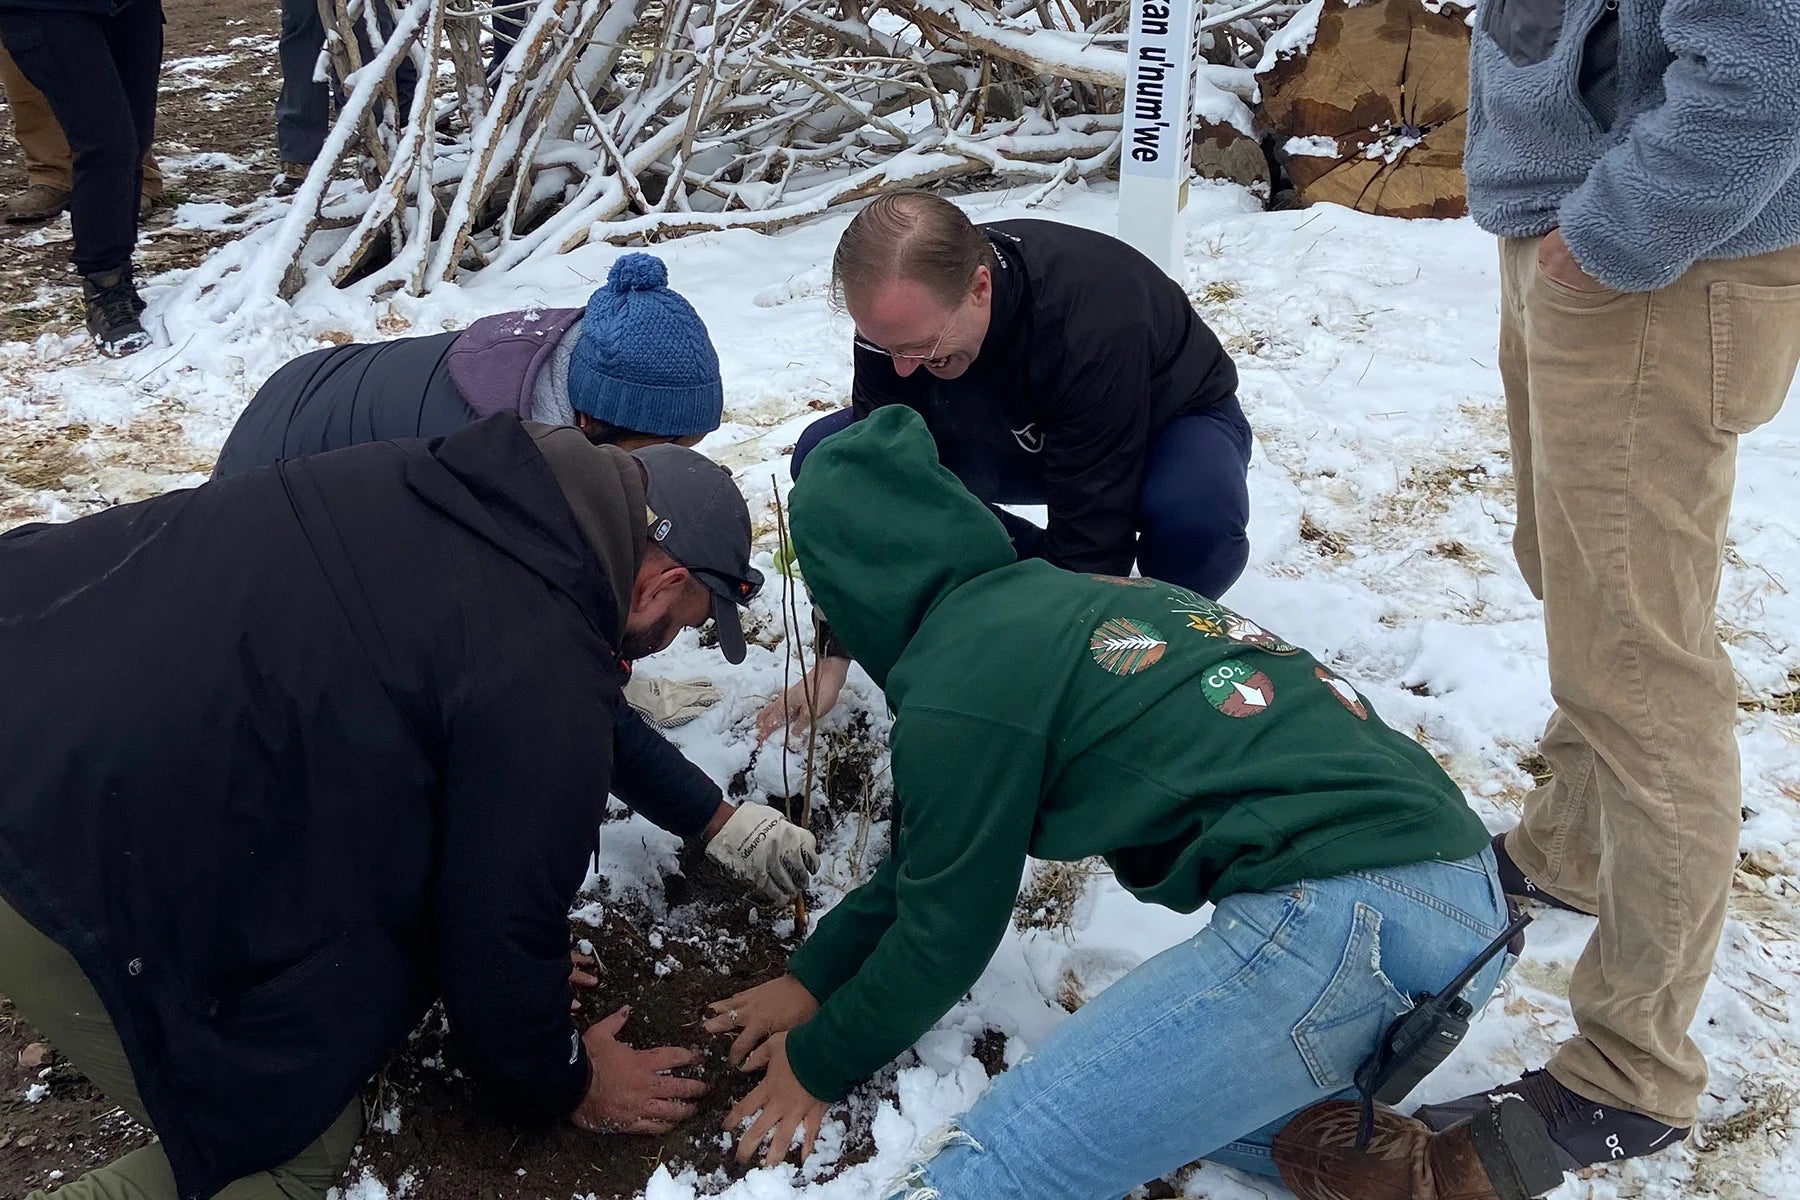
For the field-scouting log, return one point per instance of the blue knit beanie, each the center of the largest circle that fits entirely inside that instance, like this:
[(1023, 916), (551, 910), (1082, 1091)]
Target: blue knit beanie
[(643, 359)]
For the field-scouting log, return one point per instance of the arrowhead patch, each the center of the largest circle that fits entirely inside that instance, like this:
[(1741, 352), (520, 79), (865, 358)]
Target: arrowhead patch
[(1346, 695), (1237, 689), (1125, 647)]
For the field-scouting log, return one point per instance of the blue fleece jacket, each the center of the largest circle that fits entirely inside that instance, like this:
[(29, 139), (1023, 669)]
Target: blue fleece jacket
[(1690, 151)]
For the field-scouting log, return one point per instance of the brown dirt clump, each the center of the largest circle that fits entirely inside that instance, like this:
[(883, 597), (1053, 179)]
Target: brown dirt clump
[(454, 1145)]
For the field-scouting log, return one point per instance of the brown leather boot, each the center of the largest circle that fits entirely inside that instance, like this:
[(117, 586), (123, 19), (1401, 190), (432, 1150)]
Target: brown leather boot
[(1503, 1152)]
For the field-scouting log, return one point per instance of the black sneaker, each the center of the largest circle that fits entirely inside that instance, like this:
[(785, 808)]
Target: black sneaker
[(1514, 882), (112, 312), (1586, 1132)]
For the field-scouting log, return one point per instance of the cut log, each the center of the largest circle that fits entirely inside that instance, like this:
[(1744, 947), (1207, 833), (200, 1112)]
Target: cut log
[(1372, 115)]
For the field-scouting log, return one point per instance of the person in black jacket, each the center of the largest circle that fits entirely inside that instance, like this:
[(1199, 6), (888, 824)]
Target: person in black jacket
[(97, 62), (635, 367), (293, 755), (1054, 366)]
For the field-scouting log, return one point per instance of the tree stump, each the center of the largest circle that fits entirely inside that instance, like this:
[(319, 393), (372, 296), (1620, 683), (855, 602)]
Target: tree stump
[(1372, 115)]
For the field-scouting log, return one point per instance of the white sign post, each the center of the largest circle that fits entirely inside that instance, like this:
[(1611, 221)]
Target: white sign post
[(1159, 123)]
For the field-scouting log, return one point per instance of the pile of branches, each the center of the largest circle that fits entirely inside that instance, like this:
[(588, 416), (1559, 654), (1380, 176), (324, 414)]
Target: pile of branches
[(636, 120)]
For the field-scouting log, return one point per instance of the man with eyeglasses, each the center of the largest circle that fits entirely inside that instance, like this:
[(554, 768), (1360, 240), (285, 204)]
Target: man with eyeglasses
[(1053, 366), (291, 756)]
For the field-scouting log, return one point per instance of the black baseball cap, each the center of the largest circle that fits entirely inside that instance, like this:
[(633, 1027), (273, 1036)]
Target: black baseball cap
[(699, 518)]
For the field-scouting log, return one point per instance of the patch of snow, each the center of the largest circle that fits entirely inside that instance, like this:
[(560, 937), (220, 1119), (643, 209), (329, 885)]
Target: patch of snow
[(1317, 146)]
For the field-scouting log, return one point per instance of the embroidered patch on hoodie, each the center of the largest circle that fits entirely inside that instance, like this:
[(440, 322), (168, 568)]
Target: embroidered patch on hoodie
[(1125, 646), (1346, 695), (1237, 689)]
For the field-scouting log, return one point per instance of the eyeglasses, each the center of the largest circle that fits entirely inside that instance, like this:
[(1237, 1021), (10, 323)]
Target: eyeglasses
[(929, 360)]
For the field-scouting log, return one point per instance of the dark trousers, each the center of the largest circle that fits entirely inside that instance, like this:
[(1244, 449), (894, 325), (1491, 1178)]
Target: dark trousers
[(507, 28), (1193, 508), (99, 74), (303, 107)]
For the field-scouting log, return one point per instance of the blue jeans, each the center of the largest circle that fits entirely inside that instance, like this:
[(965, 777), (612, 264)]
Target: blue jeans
[(1207, 1049), (1193, 506)]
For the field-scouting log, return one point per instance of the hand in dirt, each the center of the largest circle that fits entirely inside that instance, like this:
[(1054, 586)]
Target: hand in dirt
[(769, 1008), (632, 1090), (826, 683), (580, 976), (786, 1108)]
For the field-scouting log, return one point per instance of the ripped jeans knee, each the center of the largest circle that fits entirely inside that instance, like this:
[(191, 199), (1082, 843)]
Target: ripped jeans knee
[(916, 1183)]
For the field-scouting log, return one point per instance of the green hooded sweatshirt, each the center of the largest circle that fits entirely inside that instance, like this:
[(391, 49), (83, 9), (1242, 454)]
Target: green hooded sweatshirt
[(1042, 712)]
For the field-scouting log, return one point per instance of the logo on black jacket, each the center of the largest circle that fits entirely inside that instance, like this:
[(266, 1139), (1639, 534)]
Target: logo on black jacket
[(1030, 439)]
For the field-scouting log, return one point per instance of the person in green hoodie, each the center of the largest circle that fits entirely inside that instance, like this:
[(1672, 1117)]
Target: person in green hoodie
[(1058, 715)]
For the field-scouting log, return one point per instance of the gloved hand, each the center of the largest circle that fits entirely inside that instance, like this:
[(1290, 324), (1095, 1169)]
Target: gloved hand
[(668, 703), (775, 857)]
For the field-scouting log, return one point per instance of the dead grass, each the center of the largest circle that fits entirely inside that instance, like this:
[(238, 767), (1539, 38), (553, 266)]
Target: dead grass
[(41, 460), (1218, 292), (1784, 703), (1767, 1112), (24, 322), (1071, 993), (1051, 894), (1327, 543), (1538, 767)]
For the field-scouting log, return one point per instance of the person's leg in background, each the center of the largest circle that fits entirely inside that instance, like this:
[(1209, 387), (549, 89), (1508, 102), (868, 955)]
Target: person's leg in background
[(154, 186), (48, 173), (1194, 509), (50, 992), (69, 57), (1636, 404), (135, 36), (303, 106), (815, 433), (1205, 1049), (507, 28)]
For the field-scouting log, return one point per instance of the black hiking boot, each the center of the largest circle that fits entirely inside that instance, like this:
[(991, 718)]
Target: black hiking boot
[(1515, 883), (1586, 1132), (113, 306)]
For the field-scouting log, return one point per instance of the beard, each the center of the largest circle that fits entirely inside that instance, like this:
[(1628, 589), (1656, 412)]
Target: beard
[(645, 641)]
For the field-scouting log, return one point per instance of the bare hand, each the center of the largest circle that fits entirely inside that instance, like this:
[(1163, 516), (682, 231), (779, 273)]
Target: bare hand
[(770, 1008), (580, 976), (1555, 261), (824, 683), (632, 1090), (785, 1107)]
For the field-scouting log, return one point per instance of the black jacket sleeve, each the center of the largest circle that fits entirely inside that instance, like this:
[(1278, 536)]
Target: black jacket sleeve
[(655, 779), (874, 383), (1095, 438), (523, 801)]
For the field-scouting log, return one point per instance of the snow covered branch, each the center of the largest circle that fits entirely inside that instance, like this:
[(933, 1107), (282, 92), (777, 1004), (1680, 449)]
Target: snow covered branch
[(634, 120)]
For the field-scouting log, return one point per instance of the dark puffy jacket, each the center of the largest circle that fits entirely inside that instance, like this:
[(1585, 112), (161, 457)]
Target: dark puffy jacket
[(1090, 350), (409, 387), (290, 755)]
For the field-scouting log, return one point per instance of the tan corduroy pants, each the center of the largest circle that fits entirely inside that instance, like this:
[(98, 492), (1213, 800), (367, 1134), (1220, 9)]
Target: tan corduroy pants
[(1625, 411)]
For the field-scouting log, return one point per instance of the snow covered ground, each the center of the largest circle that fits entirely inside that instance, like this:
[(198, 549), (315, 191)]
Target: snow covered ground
[(1383, 511)]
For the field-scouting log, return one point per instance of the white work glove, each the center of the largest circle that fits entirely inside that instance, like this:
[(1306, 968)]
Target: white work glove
[(668, 703), (775, 857)]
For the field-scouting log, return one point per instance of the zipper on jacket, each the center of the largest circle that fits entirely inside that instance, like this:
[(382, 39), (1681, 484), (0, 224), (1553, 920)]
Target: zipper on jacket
[(1597, 74)]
